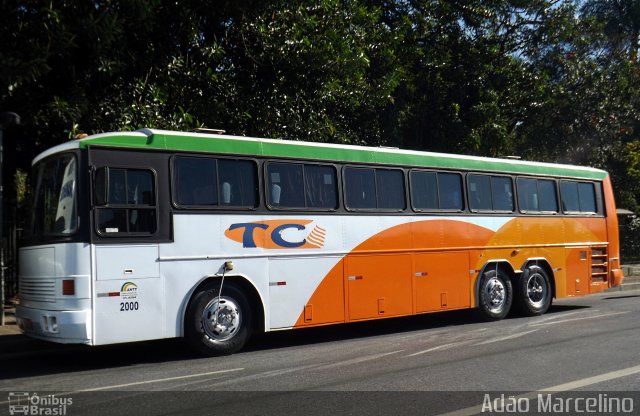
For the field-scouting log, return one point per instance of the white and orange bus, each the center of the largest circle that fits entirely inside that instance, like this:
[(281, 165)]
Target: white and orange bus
[(155, 234)]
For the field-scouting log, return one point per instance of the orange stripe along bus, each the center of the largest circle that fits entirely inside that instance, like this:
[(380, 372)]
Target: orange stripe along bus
[(156, 234)]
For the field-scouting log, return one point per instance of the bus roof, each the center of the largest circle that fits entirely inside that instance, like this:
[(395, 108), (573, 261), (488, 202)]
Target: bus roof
[(234, 145)]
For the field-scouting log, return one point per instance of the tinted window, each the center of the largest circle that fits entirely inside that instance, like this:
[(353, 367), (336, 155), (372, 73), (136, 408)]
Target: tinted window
[(424, 190), (286, 185), (537, 195), (480, 192), (587, 197), (450, 191), (367, 188), (431, 191), (130, 204), (140, 190), (320, 185), (502, 193), (360, 188), (490, 193), (569, 195), (206, 182), (195, 181), (527, 194), (548, 196), (390, 189), (296, 185), (238, 183)]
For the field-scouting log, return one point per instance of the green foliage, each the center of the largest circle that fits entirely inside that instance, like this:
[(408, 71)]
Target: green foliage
[(554, 80)]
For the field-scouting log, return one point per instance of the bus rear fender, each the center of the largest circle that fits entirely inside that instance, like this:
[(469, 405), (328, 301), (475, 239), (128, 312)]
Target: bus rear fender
[(248, 288)]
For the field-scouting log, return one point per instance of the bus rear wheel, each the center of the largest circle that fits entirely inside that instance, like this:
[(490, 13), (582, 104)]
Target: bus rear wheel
[(533, 291), (218, 325), (495, 295)]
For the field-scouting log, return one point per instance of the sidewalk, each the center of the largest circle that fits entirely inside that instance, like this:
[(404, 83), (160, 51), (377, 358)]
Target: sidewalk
[(10, 327), (13, 344)]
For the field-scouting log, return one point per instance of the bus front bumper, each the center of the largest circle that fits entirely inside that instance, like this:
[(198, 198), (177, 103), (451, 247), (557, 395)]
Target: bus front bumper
[(66, 327)]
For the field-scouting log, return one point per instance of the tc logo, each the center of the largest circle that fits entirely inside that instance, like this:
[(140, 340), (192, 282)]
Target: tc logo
[(276, 234)]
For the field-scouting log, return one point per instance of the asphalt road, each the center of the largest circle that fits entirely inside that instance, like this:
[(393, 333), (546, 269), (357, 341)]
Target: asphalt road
[(430, 364)]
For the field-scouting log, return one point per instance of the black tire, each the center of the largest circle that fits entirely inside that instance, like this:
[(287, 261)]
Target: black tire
[(495, 295), (533, 291), (234, 310)]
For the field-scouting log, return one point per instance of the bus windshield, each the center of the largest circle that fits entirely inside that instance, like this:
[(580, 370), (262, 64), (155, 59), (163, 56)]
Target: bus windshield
[(54, 210)]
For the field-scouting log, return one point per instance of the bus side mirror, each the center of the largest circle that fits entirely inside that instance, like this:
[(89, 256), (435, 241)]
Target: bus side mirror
[(100, 186)]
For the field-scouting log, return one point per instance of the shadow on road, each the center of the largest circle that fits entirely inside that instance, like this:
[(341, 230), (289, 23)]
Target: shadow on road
[(26, 357), (621, 297)]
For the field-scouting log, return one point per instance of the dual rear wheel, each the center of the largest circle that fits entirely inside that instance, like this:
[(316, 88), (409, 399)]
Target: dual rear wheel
[(531, 293)]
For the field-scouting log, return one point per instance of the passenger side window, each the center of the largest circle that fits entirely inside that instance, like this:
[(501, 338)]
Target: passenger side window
[(390, 189), (207, 182), (298, 185), (490, 193), (578, 197), (131, 203), (480, 193), (431, 191), (360, 188), (537, 195), (368, 188)]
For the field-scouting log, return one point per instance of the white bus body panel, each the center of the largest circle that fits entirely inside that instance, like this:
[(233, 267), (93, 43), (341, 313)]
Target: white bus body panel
[(136, 292), (44, 312), (129, 294)]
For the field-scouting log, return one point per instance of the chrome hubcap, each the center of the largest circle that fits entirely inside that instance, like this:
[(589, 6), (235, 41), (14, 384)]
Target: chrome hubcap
[(221, 321), (495, 294), (536, 289)]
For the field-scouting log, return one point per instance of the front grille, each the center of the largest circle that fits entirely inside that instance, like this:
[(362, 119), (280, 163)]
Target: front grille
[(38, 289)]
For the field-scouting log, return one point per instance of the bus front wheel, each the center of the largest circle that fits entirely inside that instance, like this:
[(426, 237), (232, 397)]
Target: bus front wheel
[(533, 291), (218, 323), (495, 295)]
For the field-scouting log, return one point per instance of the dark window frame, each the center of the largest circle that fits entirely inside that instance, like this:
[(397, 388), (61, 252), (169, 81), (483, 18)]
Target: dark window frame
[(492, 210), (538, 179), (217, 207), (267, 195), (375, 183), (437, 173), (129, 207), (596, 198)]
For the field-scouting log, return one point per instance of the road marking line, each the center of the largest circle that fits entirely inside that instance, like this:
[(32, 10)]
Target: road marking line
[(158, 380), (589, 381), (266, 374), (580, 319), (356, 360), (439, 348), (595, 379), (562, 315), (505, 338)]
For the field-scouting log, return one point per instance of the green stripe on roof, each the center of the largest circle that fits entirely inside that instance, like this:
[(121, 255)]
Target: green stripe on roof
[(311, 151)]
